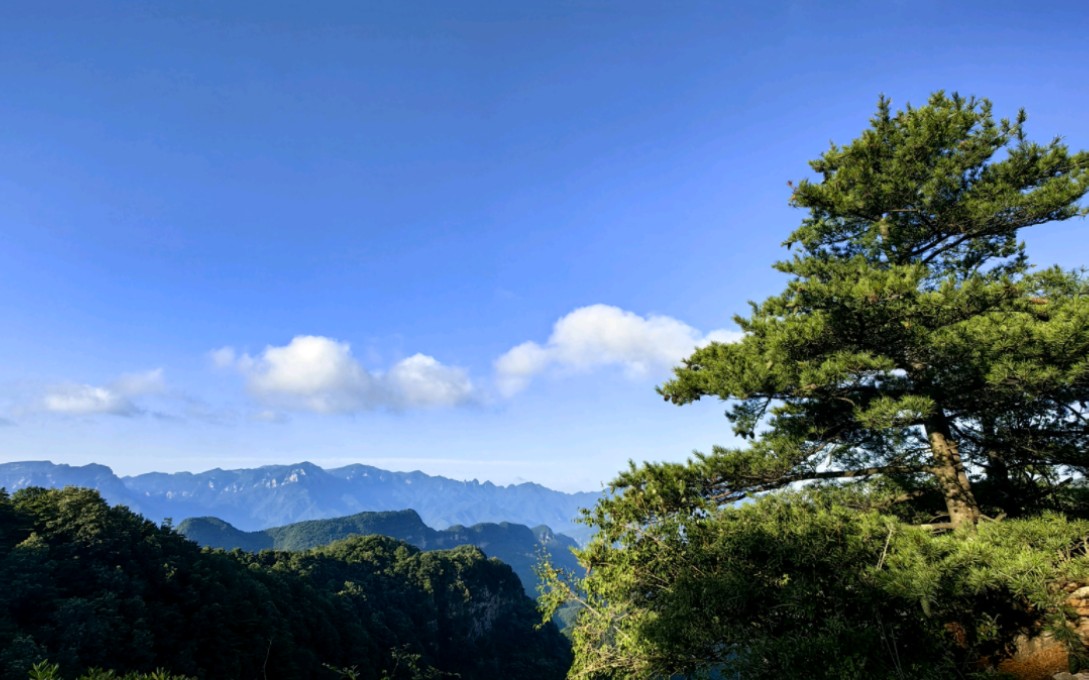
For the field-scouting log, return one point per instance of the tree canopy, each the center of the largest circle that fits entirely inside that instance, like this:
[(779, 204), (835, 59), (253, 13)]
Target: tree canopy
[(913, 338), (91, 586), (916, 374)]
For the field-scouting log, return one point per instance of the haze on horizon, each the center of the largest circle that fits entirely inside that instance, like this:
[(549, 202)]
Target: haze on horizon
[(464, 238)]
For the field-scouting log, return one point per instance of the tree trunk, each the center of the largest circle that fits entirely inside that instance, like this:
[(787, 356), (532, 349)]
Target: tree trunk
[(998, 476), (998, 473), (949, 469)]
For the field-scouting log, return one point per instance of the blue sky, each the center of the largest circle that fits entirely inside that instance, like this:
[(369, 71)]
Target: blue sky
[(462, 237)]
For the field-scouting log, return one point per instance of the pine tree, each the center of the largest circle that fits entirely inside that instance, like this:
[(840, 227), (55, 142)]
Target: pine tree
[(914, 347), (913, 340)]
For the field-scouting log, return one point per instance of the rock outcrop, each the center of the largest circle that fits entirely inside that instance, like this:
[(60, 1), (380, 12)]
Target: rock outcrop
[(1042, 657)]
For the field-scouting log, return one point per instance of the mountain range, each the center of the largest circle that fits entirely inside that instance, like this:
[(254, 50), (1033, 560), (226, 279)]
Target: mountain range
[(515, 544), (253, 499)]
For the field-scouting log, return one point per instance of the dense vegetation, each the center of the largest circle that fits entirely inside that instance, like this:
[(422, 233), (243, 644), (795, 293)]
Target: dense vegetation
[(926, 388), (86, 585), (513, 544)]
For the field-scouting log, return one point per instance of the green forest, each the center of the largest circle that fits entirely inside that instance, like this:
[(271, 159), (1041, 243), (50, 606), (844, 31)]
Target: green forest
[(515, 545), (907, 497), (88, 586)]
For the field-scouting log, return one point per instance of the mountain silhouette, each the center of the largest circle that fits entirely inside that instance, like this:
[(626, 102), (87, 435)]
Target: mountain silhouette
[(515, 544), (252, 499)]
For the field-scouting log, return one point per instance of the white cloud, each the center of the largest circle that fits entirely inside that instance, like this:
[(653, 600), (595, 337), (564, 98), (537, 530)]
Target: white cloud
[(81, 400), (518, 365), (314, 374), (420, 380), (319, 374), (115, 399), (603, 335)]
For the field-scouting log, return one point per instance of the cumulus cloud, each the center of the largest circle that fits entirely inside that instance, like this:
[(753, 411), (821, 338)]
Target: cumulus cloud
[(420, 380), (114, 399), (312, 373), (602, 335), (320, 374), (82, 400)]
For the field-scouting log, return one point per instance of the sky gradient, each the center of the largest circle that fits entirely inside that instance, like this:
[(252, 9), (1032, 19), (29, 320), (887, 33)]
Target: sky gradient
[(465, 238)]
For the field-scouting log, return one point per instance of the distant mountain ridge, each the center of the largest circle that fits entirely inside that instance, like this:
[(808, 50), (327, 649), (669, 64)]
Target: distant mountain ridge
[(253, 499), (514, 544)]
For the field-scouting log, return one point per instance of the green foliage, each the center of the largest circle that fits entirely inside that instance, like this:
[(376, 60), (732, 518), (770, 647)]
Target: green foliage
[(912, 339), (915, 368), (90, 587), (799, 583), (44, 670)]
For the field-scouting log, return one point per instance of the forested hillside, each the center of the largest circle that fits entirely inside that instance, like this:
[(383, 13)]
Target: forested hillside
[(513, 544), (89, 585)]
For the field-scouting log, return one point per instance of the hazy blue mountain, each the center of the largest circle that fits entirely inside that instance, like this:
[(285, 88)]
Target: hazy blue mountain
[(275, 495), (515, 544), (15, 476)]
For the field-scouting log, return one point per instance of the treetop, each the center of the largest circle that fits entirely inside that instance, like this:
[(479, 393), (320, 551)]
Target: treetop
[(944, 185)]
